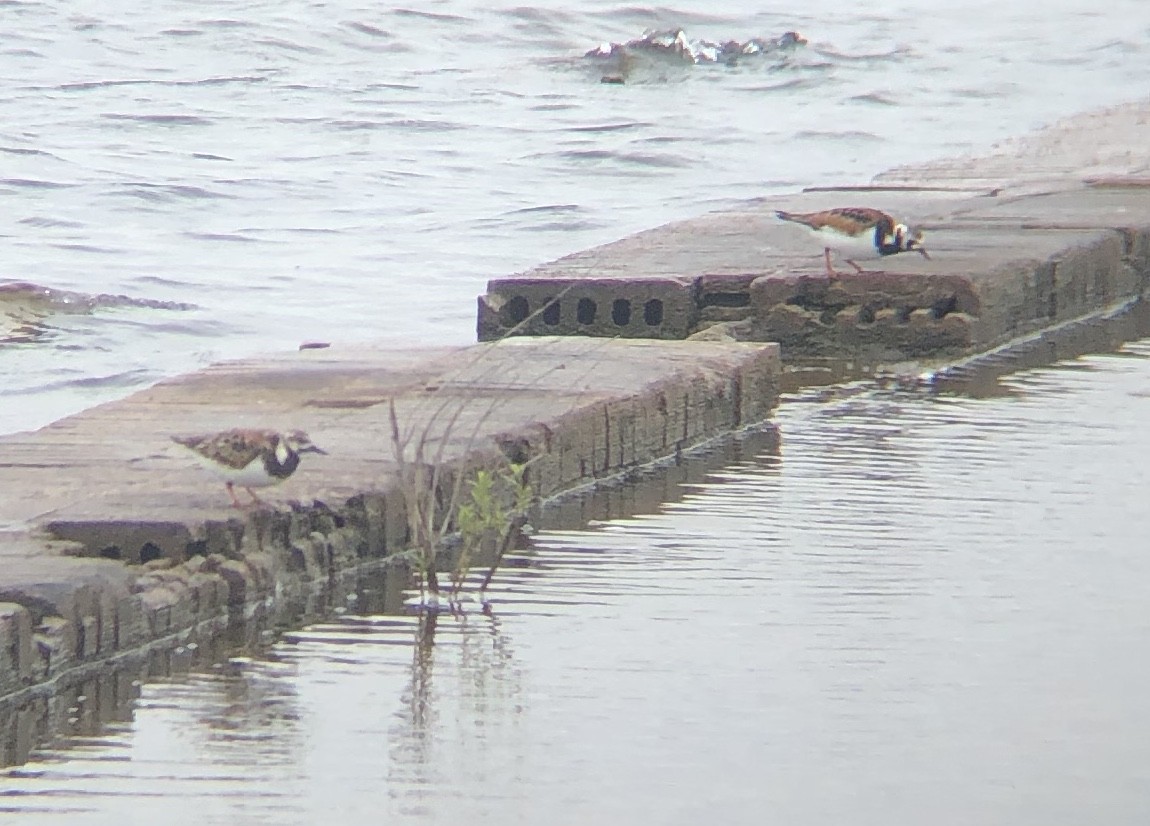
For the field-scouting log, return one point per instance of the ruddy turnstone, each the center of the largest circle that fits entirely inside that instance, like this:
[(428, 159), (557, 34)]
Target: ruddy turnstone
[(250, 458), (858, 232)]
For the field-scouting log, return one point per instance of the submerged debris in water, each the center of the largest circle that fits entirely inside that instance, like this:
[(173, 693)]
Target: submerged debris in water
[(24, 308), (675, 45)]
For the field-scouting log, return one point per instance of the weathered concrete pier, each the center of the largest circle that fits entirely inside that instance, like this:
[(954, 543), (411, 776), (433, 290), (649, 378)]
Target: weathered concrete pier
[(111, 538), (1047, 231), (112, 541)]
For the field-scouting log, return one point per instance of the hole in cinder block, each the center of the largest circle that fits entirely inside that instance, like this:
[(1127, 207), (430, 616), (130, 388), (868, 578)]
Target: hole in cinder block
[(150, 551), (653, 312), (586, 310), (111, 552), (944, 306), (516, 311), (621, 312), (551, 313)]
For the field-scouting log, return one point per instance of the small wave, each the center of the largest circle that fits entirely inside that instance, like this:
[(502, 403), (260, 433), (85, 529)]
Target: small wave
[(126, 378), (547, 208), (163, 120), (428, 15), (44, 222), (875, 98), (167, 192), (421, 125), (786, 86), (660, 160), (29, 183), (19, 150), (206, 81), (89, 248), (609, 127), (844, 135), (392, 86), (222, 236), (1120, 46), (288, 45), (563, 226), (369, 30), (533, 14), (227, 23), (895, 54), (979, 93)]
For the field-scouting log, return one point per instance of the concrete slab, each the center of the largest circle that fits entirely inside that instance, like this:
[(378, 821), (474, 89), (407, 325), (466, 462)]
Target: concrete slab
[(1089, 146), (114, 470), (112, 537), (1047, 229)]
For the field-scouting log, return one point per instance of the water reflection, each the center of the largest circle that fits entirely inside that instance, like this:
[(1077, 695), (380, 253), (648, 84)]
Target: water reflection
[(915, 609)]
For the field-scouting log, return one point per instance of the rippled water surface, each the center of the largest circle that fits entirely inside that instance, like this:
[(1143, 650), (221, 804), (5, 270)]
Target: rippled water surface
[(317, 171), (914, 610)]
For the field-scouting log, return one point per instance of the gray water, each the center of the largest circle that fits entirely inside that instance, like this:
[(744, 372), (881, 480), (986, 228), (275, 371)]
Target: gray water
[(916, 609), (334, 171)]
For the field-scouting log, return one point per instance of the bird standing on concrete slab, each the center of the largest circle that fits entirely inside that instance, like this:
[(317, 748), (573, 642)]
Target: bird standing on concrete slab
[(858, 232), (250, 458)]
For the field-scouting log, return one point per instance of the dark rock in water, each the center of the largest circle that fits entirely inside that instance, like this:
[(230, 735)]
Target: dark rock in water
[(24, 308), (616, 79)]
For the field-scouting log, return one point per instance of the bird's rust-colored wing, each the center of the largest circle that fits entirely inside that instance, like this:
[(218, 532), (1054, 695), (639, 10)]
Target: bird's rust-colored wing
[(847, 220), (232, 448)]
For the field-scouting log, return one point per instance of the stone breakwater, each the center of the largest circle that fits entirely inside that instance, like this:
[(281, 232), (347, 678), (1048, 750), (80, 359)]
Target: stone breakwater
[(112, 539), (116, 547)]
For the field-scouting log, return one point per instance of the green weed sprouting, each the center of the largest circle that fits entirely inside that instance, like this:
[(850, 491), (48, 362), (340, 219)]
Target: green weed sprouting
[(491, 519), (485, 509)]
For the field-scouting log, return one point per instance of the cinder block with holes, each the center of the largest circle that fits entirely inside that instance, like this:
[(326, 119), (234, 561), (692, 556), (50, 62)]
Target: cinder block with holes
[(1001, 269), (640, 308)]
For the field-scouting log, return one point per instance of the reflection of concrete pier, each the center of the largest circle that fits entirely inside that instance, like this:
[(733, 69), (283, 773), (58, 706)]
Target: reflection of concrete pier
[(114, 543)]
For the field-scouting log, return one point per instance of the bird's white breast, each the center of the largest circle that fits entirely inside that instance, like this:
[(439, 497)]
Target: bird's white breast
[(850, 246), (251, 475)]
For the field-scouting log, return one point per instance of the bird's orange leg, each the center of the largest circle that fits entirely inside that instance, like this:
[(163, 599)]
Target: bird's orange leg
[(858, 269), (255, 499), (236, 503), (831, 271)]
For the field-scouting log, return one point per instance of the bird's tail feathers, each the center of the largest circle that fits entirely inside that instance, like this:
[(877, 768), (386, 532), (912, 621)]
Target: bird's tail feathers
[(793, 217)]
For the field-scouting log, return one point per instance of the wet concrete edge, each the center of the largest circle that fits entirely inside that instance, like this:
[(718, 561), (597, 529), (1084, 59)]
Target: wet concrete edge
[(65, 612)]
